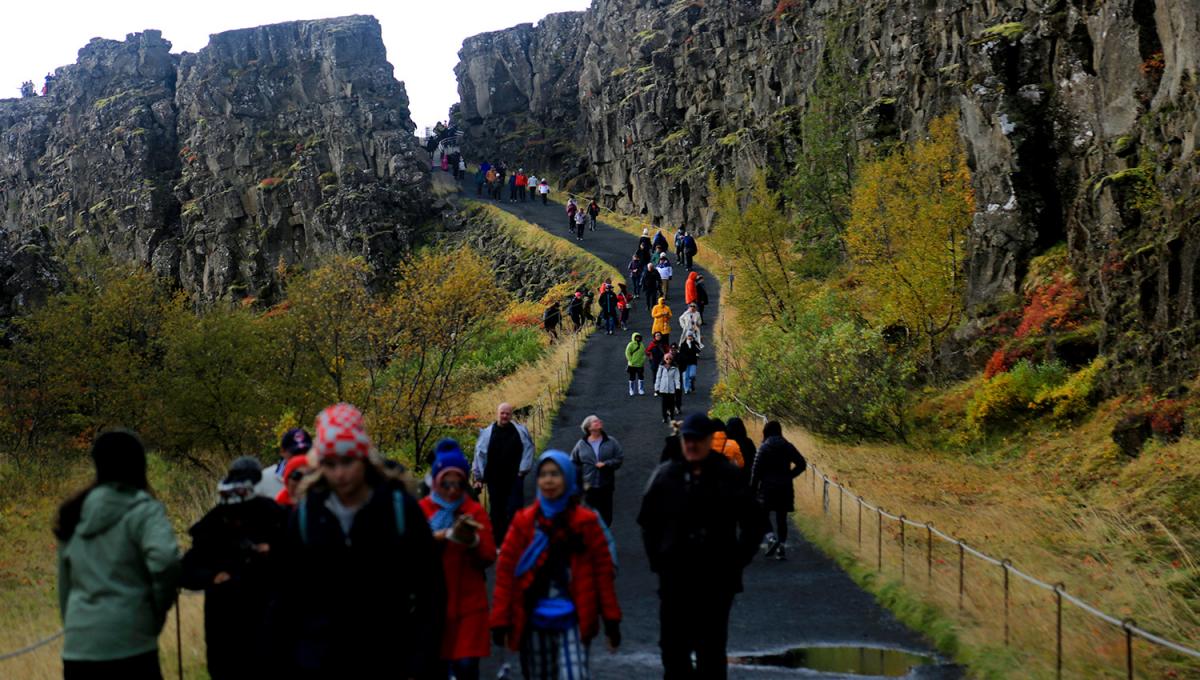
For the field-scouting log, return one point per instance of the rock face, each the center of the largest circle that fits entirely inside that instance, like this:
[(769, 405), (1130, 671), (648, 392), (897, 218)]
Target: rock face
[(271, 145), (1080, 119)]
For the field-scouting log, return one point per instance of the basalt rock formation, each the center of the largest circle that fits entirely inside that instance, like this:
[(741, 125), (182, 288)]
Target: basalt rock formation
[(1080, 118), (270, 146)]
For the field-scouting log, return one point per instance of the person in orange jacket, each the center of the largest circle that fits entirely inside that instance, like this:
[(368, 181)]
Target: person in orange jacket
[(725, 446)]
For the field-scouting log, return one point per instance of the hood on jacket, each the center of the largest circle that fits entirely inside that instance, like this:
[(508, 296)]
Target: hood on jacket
[(662, 301), (105, 506), (636, 337)]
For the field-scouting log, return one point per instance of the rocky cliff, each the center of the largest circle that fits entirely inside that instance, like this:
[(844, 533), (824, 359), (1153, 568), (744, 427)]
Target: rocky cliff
[(1080, 117), (271, 145)]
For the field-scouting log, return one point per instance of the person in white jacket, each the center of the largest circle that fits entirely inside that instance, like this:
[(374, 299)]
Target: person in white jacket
[(664, 273), (690, 322), (669, 385), (503, 456)]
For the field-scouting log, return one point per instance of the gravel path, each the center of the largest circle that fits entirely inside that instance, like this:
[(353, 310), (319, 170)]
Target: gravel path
[(806, 600)]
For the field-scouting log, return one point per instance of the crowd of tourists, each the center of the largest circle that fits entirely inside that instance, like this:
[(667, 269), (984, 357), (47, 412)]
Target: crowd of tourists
[(499, 183)]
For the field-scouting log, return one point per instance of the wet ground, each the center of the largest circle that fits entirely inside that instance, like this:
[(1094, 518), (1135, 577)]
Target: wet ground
[(806, 601)]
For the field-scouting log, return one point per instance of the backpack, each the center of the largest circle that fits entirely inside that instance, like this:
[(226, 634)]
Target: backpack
[(690, 245), (397, 508)]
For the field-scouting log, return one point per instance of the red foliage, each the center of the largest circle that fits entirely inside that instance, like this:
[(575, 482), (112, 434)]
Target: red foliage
[(1154, 65), (1002, 360), (783, 7), (1166, 418), (1054, 306), (523, 319)]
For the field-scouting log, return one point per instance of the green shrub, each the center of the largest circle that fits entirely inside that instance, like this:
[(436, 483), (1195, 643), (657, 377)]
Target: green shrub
[(1074, 397), (502, 350), (1007, 397)]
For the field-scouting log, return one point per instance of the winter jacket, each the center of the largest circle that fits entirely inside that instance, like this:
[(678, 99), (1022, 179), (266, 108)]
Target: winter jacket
[(659, 241), (551, 317), (592, 586), (725, 446), (672, 449), (649, 247), (690, 246), (635, 268), (699, 530), (701, 295), (575, 309), (668, 379), (116, 575), (571, 209), (479, 465), (237, 636), (655, 351), (521, 180), (480, 177), (608, 303), (689, 288), (775, 466), (635, 354), (384, 610), (650, 280), (593, 210), (272, 480), (664, 271), (584, 457), (465, 628), (690, 321), (688, 355), (679, 236), (662, 317)]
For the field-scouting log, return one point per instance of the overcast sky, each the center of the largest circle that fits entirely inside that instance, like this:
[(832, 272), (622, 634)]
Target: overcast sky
[(422, 38)]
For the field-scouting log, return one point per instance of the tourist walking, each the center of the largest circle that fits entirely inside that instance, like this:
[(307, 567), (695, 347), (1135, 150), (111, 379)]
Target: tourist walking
[(609, 312), (233, 561), (513, 189), (644, 241), (118, 566), (503, 456), (777, 464), (701, 296), (635, 269), (689, 322), (735, 430), (593, 212), (295, 442), (688, 359), (597, 457), (651, 284), (480, 180), (655, 352), (572, 208), (555, 580), (664, 273), (580, 222), (363, 588), (700, 528), (551, 317), (690, 248), (293, 476), (624, 304), (635, 364), (532, 184), (662, 319), (544, 190), (659, 243), (680, 234), (575, 310), (462, 533), (520, 184), (668, 384), (722, 444)]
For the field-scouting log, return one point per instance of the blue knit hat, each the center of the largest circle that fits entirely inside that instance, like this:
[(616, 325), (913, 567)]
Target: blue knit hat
[(448, 456)]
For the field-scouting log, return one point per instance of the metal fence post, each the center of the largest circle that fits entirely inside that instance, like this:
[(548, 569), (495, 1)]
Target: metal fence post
[(841, 494), (903, 567), (1128, 625), (879, 539), (1058, 591), (825, 496), (962, 554), (929, 553), (1004, 565), (859, 522)]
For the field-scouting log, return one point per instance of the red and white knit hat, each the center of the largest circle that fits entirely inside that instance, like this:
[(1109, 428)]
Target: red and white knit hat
[(341, 432)]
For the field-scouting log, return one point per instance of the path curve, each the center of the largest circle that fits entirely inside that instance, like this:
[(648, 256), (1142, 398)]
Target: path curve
[(806, 600)]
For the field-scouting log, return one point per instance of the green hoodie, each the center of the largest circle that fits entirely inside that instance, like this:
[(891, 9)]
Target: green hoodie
[(116, 576), (635, 353)]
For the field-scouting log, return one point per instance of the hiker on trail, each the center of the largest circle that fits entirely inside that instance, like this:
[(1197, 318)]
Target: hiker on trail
[(462, 533), (690, 248), (698, 511), (624, 303), (118, 565), (521, 182), (680, 235), (701, 296), (572, 208), (609, 314), (588, 297), (503, 456), (644, 240), (777, 464), (580, 223), (690, 294), (655, 351), (295, 442), (597, 457), (635, 364), (550, 320), (233, 561), (667, 384), (635, 268), (532, 185), (575, 310), (480, 180), (659, 243), (491, 178), (664, 273), (513, 189), (662, 319), (593, 211), (362, 589), (544, 190), (735, 430), (462, 168), (688, 358), (555, 580), (722, 444), (689, 321), (672, 445), (651, 285), (293, 475)]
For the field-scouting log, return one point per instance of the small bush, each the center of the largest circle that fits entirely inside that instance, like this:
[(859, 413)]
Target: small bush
[(502, 350), (1076, 396), (1007, 397)]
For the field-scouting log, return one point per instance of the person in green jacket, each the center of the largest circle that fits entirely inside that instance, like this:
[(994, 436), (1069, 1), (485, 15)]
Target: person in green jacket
[(635, 358), (118, 566)]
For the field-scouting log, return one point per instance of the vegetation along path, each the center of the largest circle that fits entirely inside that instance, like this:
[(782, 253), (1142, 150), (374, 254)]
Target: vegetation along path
[(804, 601)]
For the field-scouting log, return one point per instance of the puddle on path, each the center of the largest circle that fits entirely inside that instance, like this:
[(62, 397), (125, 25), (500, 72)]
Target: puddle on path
[(891, 663)]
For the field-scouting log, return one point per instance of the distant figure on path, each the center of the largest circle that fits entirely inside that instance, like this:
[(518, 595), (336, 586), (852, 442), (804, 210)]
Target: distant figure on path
[(662, 319), (544, 190), (503, 456), (668, 386), (572, 208), (597, 456), (635, 364), (550, 320), (118, 566), (735, 429), (700, 528), (593, 211), (777, 464), (664, 273), (295, 442)]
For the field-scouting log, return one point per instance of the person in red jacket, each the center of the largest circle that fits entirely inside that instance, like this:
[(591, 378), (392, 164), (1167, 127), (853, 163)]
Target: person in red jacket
[(555, 579), (463, 533), (522, 181)]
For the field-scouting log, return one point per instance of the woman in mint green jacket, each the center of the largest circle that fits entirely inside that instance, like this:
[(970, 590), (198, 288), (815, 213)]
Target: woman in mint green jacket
[(118, 566)]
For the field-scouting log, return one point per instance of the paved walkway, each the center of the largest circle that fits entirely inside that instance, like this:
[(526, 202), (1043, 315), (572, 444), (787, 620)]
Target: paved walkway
[(806, 600)]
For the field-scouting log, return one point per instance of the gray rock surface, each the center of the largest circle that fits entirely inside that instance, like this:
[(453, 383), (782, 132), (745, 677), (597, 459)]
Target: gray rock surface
[(272, 145)]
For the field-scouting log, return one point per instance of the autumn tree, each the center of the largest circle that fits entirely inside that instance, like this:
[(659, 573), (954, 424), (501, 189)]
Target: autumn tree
[(909, 217)]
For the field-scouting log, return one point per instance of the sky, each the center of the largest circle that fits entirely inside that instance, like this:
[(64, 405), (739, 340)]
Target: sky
[(422, 44)]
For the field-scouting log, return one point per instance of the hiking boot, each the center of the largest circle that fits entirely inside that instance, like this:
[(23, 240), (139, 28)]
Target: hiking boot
[(781, 553), (631, 388), (773, 545), (641, 391)]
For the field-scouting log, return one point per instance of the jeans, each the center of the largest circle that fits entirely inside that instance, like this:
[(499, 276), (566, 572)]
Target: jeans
[(637, 283), (544, 198), (689, 378), (610, 322)]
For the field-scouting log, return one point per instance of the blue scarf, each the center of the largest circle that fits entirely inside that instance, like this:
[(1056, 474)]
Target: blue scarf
[(444, 517), (550, 509)]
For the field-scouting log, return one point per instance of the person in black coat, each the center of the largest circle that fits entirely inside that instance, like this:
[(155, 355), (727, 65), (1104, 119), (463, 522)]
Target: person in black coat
[(775, 466), (700, 528), (735, 429), (651, 286), (233, 560), (365, 595), (701, 297)]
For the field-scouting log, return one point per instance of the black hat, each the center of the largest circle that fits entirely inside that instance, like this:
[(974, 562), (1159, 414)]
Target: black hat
[(244, 469), (296, 440), (696, 425), (120, 457)]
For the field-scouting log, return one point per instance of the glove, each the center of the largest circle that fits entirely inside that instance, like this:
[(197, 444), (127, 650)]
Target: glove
[(612, 631), (500, 635)]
